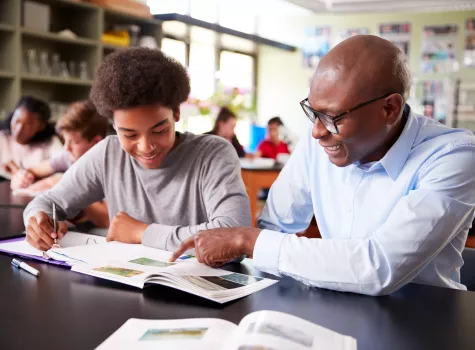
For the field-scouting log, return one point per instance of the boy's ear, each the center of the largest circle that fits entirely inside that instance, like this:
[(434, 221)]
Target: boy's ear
[(96, 139), (176, 114)]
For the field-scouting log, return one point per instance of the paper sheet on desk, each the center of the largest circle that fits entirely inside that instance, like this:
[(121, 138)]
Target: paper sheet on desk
[(257, 163), (20, 247)]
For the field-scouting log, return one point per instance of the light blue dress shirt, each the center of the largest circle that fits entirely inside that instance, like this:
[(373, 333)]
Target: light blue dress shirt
[(402, 219)]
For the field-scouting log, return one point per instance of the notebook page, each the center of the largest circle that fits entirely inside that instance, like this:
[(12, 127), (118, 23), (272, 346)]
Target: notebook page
[(69, 240)]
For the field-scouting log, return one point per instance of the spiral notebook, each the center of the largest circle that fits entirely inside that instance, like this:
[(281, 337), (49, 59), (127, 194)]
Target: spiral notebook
[(18, 246)]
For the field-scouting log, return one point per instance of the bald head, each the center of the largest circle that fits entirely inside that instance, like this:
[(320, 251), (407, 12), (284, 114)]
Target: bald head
[(367, 66)]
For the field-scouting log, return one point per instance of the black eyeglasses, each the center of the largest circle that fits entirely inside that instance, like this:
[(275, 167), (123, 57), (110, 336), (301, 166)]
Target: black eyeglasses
[(328, 121)]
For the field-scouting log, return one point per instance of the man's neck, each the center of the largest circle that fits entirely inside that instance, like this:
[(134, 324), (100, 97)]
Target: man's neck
[(393, 136)]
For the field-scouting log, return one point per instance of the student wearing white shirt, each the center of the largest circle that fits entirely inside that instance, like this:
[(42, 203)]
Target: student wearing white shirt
[(26, 136), (393, 193)]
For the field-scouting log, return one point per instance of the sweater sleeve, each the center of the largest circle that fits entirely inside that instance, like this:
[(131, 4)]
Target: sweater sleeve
[(81, 186), (225, 199)]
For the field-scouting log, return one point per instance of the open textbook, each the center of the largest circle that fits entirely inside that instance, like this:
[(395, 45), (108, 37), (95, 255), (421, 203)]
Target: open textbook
[(139, 266), (262, 330)]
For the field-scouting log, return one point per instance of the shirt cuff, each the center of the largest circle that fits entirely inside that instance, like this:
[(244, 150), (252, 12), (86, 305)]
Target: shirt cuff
[(267, 251)]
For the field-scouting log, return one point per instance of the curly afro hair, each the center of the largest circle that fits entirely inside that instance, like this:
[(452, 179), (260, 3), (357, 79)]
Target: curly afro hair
[(138, 77)]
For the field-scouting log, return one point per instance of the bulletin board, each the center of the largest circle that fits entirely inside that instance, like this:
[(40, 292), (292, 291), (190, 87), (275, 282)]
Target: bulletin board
[(397, 33), (439, 49), (316, 45)]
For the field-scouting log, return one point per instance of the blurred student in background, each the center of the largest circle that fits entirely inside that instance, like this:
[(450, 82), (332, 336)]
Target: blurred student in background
[(224, 126), (26, 136), (272, 145), (81, 128)]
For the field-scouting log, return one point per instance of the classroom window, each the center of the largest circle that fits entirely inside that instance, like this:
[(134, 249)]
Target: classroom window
[(202, 70), (236, 71), (175, 48)]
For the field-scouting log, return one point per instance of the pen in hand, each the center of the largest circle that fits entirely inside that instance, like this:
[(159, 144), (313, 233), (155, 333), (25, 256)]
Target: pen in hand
[(55, 223)]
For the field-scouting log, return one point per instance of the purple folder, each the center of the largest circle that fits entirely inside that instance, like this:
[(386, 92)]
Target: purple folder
[(27, 256)]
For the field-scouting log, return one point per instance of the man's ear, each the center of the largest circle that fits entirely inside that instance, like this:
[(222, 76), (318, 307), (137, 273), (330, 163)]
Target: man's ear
[(393, 108), (176, 114)]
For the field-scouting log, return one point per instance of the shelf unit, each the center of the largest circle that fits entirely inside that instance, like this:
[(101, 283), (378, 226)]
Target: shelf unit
[(87, 21), (464, 106)]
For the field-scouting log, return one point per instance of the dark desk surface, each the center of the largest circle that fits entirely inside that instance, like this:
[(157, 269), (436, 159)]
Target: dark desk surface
[(11, 222), (67, 310), (9, 200)]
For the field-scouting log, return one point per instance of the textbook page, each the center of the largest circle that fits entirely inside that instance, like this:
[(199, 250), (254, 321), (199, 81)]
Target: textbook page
[(117, 251), (137, 265), (272, 330), (186, 334), (138, 269)]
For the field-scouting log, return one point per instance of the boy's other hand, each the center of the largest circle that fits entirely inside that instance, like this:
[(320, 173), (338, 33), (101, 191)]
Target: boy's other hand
[(124, 228)]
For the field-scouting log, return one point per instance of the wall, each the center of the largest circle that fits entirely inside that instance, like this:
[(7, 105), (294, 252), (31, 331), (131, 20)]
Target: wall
[(282, 80)]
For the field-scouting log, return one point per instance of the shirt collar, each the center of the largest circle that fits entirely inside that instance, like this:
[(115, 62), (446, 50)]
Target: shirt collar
[(394, 160)]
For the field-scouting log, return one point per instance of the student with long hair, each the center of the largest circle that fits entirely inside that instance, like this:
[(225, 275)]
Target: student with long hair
[(224, 127), (82, 128), (26, 136)]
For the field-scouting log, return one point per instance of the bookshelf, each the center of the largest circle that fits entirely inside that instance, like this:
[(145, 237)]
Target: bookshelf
[(87, 21)]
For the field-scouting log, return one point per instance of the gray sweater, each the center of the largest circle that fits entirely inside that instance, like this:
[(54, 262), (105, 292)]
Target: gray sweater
[(197, 187)]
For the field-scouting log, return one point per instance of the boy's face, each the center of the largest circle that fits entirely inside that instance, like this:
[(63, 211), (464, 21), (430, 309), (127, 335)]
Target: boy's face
[(76, 144), (147, 133), (273, 130)]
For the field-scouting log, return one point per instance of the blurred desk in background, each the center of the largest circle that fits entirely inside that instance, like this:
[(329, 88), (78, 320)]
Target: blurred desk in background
[(256, 179), (7, 199)]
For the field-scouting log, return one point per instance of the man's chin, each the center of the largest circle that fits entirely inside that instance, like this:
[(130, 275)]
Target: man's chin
[(339, 161)]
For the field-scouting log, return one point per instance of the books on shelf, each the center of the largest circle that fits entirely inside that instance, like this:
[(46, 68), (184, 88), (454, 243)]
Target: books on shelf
[(140, 266), (262, 330)]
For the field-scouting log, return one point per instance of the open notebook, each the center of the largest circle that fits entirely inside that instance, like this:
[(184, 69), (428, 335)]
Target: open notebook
[(19, 247), (262, 330), (139, 266)]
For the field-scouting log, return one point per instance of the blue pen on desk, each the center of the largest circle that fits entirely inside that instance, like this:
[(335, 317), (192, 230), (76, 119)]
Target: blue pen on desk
[(187, 256), (22, 265)]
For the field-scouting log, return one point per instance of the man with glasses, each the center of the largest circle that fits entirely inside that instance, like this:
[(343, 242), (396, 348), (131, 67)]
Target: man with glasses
[(393, 193)]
